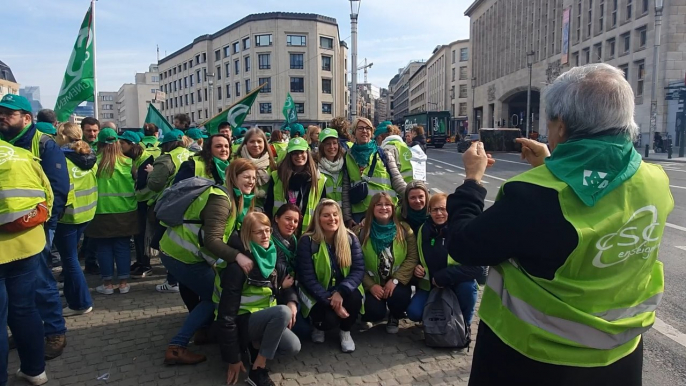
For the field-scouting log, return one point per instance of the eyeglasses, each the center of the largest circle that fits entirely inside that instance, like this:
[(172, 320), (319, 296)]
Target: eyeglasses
[(439, 210), (266, 232), (364, 128)]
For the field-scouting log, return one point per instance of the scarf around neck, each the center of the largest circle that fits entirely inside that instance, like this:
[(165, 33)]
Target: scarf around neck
[(247, 199), (332, 168), (362, 153), (262, 165), (221, 166), (416, 217), (265, 258), (382, 236)]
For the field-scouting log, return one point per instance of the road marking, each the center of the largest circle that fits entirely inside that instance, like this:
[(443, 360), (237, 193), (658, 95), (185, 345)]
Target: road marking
[(670, 332), (439, 166), (436, 191), (678, 187), (674, 170), (461, 168), (452, 171), (677, 227), (512, 162), (682, 248)]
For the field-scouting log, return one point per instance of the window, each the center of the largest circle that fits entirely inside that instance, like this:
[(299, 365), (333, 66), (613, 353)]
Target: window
[(207, 99), (642, 37), (227, 68), (463, 91), (236, 47), (263, 40), (575, 59), (236, 67), (601, 20), (174, 70), (627, 42), (264, 61), (625, 68), (628, 9), (247, 63), (614, 12), (578, 22), (191, 79), (192, 98), (219, 73), (227, 51), (326, 86), (108, 115), (197, 73), (453, 56), (268, 85), (265, 108), (199, 98), (238, 89), (590, 18), (193, 116), (611, 47), (326, 108), (297, 62), (296, 40), (640, 77), (197, 59), (598, 53), (190, 64), (464, 54), (300, 108), (463, 73), (174, 85), (463, 109), (228, 91), (645, 6), (204, 74), (185, 99), (297, 84), (326, 63), (156, 78), (247, 86), (217, 55), (166, 104), (219, 93), (587, 55), (179, 68), (204, 57), (246, 44), (325, 42)]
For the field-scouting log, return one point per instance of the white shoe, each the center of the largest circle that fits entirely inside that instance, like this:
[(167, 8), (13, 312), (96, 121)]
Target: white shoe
[(317, 335), (167, 288), (37, 380), (392, 325), (347, 343), (66, 312), (60, 286), (125, 290), (101, 289), (366, 326)]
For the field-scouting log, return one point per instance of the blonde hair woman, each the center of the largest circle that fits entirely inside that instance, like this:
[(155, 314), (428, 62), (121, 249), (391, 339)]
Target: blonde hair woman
[(255, 148), (330, 268)]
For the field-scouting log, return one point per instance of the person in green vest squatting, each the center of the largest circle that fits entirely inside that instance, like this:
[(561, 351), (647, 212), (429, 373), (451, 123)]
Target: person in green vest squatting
[(379, 169), (198, 137), (414, 209), (570, 306), (238, 136), (296, 181), (257, 310), (115, 218), (330, 268), (388, 138), (390, 256), (80, 210), (255, 148), (211, 163), (437, 269), (330, 160)]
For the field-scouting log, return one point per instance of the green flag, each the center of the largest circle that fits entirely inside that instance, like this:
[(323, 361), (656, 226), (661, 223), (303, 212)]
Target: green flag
[(289, 110), (155, 117), (235, 114), (78, 84)]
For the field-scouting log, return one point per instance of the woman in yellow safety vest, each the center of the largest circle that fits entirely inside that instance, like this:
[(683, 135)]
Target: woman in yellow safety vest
[(256, 311), (82, 202), (414, 208), (255, 148), (279, 144), (390, 255), (115, 218), (312, 137), (388, 138), (331, 162), (211, 163)]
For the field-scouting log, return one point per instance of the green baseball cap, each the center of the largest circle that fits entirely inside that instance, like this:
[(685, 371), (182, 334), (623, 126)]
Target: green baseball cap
[(107, 135), (15, 102), (327, 133), (131, 137), (382, 128), (239, 132), (172, 136), (46, 127), (297, 144), (195, 134)]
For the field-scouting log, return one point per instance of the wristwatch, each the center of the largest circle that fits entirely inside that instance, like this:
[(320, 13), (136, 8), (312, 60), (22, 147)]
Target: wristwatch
[(395, 281)]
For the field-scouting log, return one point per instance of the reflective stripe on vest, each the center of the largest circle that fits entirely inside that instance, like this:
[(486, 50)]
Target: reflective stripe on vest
[(425, 282), (116, 192), (379, 182), (85, 191), (334, 186), (312, 199), (371, 258)]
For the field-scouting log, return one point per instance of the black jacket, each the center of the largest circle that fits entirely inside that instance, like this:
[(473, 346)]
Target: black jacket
[(187, 170), (299, 182), (419, 140)]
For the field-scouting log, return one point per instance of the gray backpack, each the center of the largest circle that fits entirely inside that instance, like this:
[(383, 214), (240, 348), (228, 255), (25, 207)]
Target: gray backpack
[(174, 202), (444, 325)]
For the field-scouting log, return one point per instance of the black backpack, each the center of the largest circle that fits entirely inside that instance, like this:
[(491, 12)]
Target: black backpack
[(444, 324)]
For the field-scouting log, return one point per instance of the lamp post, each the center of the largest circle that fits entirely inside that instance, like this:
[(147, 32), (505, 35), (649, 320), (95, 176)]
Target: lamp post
[(210, 82), (529, 63), (473, 123), (656, 56), (354, 12)]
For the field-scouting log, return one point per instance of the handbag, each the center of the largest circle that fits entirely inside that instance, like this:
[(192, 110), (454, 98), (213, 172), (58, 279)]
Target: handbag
[(360, 190)]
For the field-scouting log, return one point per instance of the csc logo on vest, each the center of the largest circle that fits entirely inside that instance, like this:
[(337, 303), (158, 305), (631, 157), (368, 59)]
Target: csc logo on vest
[(634, 238)]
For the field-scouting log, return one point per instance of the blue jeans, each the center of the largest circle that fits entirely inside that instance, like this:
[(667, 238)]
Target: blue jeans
[(75, 287), (111, 250), (466, 294), (199, 278), (47, 296), (18, 311), (90, 252)]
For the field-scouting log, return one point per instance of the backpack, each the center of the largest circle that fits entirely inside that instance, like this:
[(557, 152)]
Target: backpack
[(174, 202), (444, 324)]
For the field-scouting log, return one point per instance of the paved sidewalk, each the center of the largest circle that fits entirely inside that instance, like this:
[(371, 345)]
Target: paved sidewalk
[(126, 336), (662, 157)]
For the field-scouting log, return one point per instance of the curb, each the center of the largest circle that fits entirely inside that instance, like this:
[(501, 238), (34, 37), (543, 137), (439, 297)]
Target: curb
[(676, 160)]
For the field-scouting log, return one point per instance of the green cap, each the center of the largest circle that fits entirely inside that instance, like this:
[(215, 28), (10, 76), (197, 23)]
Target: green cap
[(195, 134), (140, 134), (297, 144), (327, 133), (15, 102), (46, 127), (131, 137), (107, 135), (297, 128), (172, 136), (382, 128), (239, 132)]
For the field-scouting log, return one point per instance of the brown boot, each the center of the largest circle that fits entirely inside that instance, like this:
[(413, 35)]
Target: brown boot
[(177, 355), (54, 345)]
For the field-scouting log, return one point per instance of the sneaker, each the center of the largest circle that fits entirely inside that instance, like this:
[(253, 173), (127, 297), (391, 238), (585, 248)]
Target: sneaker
[(392, 325), (54, 345), (67, 312), (92, 269), (141, 271), (35, 380), (317, 335), (366, 326), (104, 290), (347, 343), (167, 288), (135, 266), (259, 377), (60, 286), (125, 289)]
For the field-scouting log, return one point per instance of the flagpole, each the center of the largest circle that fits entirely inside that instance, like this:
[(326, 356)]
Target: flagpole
[(95, 62), (237, 102)]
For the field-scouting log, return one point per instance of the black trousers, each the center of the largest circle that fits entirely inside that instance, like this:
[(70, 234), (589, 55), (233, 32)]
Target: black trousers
[(496, 363), (375, 310), (324, 318), (139, 240)]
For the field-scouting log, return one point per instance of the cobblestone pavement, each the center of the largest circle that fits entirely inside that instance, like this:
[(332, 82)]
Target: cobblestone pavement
[(126, 336)]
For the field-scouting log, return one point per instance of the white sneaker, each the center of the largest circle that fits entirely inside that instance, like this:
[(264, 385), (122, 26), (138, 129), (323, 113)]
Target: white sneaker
[(60, 286), (167, 288), (366, 326), (347, 343), (37, 380), (392, 325), (125, 290), (317, 335), (67, 312), (101, 289)]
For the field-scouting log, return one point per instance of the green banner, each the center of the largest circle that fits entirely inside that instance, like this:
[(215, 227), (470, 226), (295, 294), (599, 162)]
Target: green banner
[(155, 117), (78, 84), (289, 110), (235, 114)]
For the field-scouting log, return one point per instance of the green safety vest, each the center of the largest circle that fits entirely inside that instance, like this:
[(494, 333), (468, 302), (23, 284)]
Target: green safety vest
[(379, 182), (234, 148), (334, 186), (404, 157), (312, 199), (83, 187), (139, 161), (253, 298), (178, 156), (184, 242), (281, 150), (200, 168), (116, 193), (35, 143), (593, 312), (322, 267), (23, 185), (371, 258), (425, 282)]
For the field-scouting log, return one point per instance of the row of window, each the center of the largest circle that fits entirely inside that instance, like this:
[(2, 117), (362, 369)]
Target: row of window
[(107, 98), (615, 11), (108, 107), (108, 115), (611, 48), (463, 73), (464, 55), (265, 108)]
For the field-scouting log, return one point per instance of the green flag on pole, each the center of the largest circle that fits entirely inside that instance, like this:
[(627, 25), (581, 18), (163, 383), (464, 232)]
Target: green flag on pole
[(155, 117), (79, 83), (235, 114), (289, 110)]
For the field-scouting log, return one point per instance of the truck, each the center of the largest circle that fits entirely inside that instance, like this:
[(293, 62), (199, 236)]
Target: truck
[(435, 125)]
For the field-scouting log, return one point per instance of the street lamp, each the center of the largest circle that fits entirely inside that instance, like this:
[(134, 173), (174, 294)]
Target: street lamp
[(656, 55), (354, 12), (529, 63), (210, 82), (473, 122)]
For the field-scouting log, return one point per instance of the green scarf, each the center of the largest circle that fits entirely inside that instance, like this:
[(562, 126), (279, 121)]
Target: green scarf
[(265, 259), (247, 199), (382, 236), (361, 153), (416, 217), (593, 167), (21, 134), (221, 167)]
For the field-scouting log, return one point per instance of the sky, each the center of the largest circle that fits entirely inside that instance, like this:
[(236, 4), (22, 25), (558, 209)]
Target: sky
[(43, 32)]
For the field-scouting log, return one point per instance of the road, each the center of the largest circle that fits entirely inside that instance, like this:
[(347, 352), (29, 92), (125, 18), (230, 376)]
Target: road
[(665, 344)]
